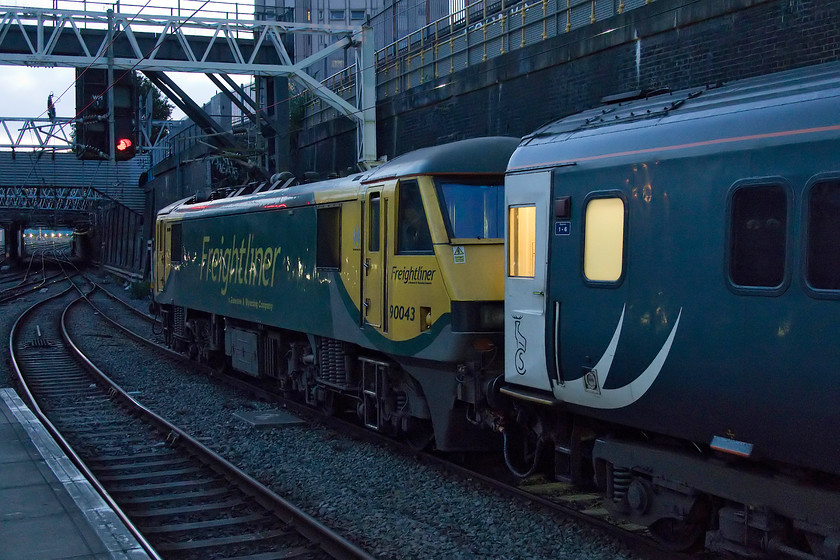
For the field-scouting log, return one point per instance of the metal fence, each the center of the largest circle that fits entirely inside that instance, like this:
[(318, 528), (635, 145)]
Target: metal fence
[(472, 33)]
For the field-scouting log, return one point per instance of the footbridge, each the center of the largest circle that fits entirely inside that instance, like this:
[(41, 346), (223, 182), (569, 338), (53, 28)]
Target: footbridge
[(41, 181)]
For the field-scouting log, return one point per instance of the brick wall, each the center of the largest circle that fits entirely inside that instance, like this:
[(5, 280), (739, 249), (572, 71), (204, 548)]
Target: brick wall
[(668, 43)]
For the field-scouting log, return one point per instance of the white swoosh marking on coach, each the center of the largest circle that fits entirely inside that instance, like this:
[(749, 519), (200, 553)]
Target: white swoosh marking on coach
[(605, 363), (574, 392)]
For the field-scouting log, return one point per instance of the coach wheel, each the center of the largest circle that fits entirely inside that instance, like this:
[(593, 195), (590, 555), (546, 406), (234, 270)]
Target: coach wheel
[(681, 534)]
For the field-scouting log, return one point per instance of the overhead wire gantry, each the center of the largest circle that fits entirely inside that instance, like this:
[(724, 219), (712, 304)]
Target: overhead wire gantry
[(178, 43)]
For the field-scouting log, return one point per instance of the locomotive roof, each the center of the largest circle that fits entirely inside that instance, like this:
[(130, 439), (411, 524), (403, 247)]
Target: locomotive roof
[(475, 156), (487, 155), (767, 108), (298, 195)]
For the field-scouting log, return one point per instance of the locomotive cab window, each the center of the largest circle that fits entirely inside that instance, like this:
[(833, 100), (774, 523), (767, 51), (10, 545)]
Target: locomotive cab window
[(175, 248), (603, 239), (758, 236), (523, 241), (473, 209), (374, 221), (823, 245), (328, 252), (413, 236)]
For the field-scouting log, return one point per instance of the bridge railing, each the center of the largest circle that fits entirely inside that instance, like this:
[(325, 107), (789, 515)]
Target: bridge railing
[(482, 30), (217, 9), (341, 83), (473, 33)]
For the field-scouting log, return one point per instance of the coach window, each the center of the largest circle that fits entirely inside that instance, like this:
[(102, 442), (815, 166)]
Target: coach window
[(522, 222), (758, 236), (413, 236), (176, 248), (823, 244), (603, 239), (329, 238), (373, 213)]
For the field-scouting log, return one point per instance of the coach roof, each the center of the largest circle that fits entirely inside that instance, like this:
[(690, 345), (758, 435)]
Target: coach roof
[(768, 109)]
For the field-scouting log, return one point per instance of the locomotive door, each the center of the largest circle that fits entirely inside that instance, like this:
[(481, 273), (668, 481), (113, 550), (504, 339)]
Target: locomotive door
[(165, 253), (526, 249), (373, 260)]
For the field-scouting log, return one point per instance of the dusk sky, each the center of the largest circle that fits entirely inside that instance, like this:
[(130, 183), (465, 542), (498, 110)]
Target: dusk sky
[(26, 89)]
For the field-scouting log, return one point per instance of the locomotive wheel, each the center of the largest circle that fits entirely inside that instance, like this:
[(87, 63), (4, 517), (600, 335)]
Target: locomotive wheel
[(420, 435), (221, 364), (327, 406)]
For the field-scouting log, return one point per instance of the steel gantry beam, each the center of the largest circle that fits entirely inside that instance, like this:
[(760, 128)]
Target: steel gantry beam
[(158, 43), (50, 205), (38, 133)]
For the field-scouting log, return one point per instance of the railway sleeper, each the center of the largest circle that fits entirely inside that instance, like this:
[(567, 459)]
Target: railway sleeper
[(682, 497)]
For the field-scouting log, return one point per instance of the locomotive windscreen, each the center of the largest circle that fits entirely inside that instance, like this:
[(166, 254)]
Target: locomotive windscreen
[(471, 210)]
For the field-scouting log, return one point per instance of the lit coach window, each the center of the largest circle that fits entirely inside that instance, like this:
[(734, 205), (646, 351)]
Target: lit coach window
[(522, 245), (603, 250)]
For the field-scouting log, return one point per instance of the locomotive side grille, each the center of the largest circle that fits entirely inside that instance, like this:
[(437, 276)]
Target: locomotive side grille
[(179, 320), (332, 361), (273, 365)]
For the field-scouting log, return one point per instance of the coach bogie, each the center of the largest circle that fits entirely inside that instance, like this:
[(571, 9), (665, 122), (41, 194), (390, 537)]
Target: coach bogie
[(676, 514)]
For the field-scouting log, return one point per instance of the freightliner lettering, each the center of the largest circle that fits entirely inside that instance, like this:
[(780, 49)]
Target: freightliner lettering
[(247, 264)]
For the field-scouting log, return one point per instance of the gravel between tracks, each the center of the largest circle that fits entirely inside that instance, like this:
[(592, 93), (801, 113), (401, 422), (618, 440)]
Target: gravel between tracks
[(390, 505)]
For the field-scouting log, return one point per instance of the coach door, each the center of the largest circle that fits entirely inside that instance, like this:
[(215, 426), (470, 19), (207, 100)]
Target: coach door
[(526, 247), (373, 261)]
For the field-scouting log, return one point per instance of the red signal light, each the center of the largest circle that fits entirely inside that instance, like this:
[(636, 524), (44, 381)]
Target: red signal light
[(123, 144)]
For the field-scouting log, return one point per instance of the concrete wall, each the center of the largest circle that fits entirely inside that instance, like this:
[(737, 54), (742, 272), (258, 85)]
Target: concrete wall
[(668, 43), (119, 244)]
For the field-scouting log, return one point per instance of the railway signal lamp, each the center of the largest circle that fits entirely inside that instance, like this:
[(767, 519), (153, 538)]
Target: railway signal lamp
[(124, 144), (95, 96)]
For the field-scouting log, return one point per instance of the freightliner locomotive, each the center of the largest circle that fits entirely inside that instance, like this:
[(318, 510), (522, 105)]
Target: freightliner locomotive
[(668, 287), (672, 309), (382, 291)]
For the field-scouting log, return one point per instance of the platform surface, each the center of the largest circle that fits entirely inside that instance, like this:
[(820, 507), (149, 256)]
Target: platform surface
[(48, 510)]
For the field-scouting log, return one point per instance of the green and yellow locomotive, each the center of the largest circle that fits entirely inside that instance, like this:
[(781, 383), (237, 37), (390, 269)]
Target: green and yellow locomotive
[(382, 291)]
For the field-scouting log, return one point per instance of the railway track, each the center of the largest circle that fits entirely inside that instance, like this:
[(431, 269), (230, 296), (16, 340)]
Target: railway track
[(181, 499), (19, 283), (564, 499)]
